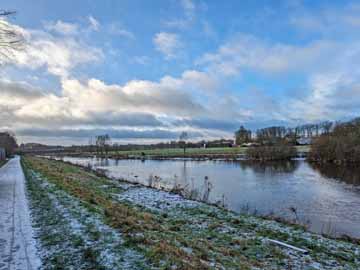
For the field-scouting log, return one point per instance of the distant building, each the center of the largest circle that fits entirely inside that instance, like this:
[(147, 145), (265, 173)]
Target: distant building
[(2, 154), (250, 144), (303, 141)]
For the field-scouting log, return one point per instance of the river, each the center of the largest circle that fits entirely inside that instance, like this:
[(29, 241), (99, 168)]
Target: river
[(325, 198)]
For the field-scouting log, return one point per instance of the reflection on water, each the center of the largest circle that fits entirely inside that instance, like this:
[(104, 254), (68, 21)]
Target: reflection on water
[(349, 174), (272, 167), (326, 197)]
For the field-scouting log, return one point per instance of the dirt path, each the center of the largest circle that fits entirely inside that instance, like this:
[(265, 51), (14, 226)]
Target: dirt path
[(17, 244)]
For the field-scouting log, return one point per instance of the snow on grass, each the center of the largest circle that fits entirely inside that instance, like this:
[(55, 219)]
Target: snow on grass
[(77, 238), (324, 253), (153, 199)]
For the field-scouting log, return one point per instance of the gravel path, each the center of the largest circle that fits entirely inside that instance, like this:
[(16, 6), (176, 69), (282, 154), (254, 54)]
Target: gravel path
[(17, 244)]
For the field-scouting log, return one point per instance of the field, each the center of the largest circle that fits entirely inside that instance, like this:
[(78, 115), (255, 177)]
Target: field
[(175, 152), (189, 151), (92, 222)]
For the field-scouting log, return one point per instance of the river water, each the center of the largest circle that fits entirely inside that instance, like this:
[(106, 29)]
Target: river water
[(326, 198)]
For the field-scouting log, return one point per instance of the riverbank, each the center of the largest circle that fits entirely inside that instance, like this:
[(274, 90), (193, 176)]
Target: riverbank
[(160, 229), (220, 153)]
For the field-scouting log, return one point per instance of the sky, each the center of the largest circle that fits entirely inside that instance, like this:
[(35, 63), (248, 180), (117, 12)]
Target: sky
[(145, 71)]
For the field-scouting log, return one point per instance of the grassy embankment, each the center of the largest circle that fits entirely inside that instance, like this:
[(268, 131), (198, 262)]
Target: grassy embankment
[(161, 229)]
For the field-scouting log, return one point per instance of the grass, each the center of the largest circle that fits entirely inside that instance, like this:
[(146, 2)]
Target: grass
[(175, 152), (3, 162), (73, 235), (191, 235), (189, 151)]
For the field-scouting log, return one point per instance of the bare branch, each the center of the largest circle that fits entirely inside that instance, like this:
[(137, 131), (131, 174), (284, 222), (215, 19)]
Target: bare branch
[(11, 39), (6, 13)]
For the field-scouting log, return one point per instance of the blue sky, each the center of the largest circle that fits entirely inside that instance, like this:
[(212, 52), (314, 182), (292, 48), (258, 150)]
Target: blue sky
[(144, 71)]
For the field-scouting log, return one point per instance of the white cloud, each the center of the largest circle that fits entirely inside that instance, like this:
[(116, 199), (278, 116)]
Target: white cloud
[(208, 30), (138, 95), (92, 101), (190, 100), (59, 55), (331, 89), (332, 96), (168, 44), (92, 104), (117, 29), (94, 23), (142, 60), (189, 9), (10, 34), (188, 6), (328, 20), (249, 52), (61, 27), (193, 80)]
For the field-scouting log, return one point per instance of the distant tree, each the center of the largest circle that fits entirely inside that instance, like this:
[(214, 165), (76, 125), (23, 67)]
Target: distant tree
[(271, 134), (326, 126), (242, 136), (280, 151), (91, 143), (8, 142), (11, 39), (182, 140), (102, 143), (340, 143)]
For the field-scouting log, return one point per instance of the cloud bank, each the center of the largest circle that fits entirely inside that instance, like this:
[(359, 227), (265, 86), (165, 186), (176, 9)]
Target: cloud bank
[(209, 99)]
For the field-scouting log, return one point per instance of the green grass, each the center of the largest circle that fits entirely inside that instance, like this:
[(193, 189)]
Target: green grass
[(2, 162), (194, 151), (189, 151)]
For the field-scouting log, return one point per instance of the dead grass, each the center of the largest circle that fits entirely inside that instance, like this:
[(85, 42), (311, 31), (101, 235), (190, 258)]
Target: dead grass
[(128, 219)]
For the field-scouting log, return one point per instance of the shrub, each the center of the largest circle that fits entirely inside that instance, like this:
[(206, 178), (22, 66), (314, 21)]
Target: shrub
[(280, 151), (340, 146)]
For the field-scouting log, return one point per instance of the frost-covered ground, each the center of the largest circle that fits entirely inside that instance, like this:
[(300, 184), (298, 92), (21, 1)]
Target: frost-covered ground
[(263, 230), (71, 236), (17, 244), (84, 221)]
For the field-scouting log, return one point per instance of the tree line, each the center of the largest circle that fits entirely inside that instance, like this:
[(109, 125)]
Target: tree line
[(278, 142), (340, 145), (336, 142), (274, 134)]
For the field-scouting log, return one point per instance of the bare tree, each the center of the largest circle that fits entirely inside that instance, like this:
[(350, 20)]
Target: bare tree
[(8, 142), (182, 140), (102, 143), (242, 136), (11, 39)]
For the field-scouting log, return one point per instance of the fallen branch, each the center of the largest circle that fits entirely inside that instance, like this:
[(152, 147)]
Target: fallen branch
[(276, 242)]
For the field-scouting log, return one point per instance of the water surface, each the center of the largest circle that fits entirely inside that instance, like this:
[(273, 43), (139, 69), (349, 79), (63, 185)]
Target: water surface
[(327, 198)]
